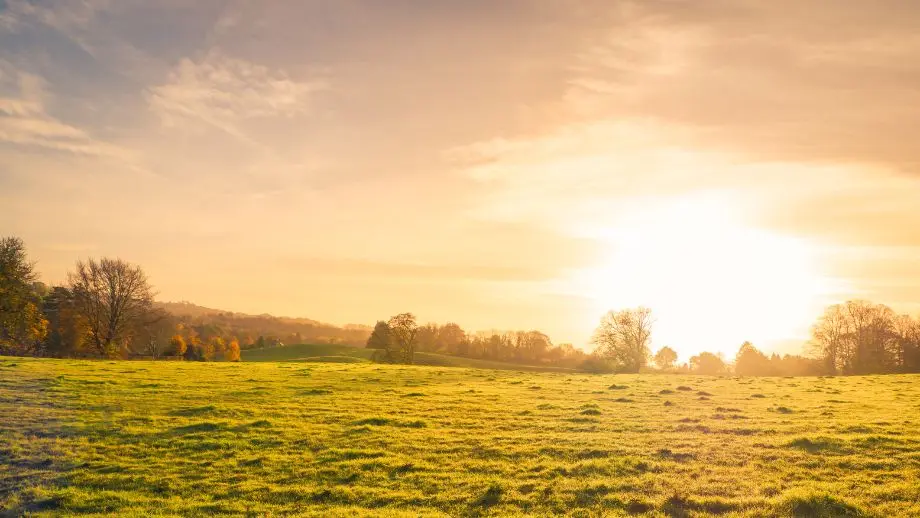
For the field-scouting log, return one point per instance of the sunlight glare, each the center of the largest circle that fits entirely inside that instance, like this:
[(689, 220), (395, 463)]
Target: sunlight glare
[(711, 280)]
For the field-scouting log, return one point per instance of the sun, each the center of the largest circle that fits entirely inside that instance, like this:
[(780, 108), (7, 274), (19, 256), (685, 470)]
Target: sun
[(712, 280)]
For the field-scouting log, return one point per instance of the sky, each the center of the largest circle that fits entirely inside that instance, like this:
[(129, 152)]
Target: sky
[(735, 165)]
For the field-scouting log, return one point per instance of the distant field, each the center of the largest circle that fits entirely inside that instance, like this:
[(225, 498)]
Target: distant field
[(346, 439), (344, 354)]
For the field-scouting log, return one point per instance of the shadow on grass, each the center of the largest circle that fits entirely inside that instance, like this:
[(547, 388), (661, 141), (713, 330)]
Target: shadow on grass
[(817, 506), (678, 506), (819, 445)]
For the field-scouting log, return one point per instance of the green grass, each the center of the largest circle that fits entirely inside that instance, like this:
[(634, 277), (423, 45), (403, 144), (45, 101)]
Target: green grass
[(346, 439), (327, 353)]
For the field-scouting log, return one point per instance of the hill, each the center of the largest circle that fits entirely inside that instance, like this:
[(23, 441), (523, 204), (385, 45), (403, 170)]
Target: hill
[(248, 329)]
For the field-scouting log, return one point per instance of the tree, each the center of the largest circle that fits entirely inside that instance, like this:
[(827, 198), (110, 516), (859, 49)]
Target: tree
[(177, 345), (751, 362), (857, 337), (112, 296), (153, 333), (232, 352), (707, 363), (403, 331), (427, 338), (67, 330), (217, 346), (451, 339), (194, 350), (623, 337), (22, 326), (665, 358), (380, 337)]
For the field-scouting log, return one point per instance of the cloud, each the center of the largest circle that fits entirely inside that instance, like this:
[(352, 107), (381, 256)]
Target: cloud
[(62, 17), (777, 81), (24, 120), (222, 92)]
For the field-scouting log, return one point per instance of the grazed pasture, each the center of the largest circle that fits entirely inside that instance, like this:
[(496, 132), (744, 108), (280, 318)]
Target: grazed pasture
[(340, 439)]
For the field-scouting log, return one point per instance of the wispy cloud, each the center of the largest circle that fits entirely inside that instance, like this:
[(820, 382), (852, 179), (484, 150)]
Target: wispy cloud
[(24, 120), (222, 92)]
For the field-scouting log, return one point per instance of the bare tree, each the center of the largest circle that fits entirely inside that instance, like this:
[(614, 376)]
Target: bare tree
[(153, 333), (113, 296), (829, 338), (403, 333), (624, 336), (858, 337)]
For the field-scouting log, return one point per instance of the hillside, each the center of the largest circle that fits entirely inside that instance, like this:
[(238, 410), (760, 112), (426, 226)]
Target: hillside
[(249, 328)]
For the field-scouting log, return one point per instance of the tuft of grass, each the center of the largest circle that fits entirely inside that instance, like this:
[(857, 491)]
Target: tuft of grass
[(491, 497), (817, 445), (316, 392), (812, 505)]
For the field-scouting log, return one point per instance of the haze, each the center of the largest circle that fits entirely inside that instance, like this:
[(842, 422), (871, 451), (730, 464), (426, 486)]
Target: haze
[(734, 165)]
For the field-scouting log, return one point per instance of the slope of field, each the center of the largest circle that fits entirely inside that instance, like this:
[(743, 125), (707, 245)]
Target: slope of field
[(327, 439), (344, 354)]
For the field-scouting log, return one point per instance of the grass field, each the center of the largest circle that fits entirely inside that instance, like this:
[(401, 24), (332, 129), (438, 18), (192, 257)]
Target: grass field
[(345, 354), (345, 439)]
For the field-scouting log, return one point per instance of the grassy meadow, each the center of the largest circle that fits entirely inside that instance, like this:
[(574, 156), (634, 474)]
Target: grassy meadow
[(347, 354), (344, 439)]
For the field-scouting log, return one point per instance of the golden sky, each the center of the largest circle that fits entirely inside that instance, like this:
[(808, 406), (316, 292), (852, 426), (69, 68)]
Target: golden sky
[(735, 165)]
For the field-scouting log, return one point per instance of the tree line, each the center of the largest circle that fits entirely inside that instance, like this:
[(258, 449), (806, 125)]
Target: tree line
[(105, 309), (397, 339), (855, 337)]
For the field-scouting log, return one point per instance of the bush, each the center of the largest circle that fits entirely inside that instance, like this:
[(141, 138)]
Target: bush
[(597, 365)]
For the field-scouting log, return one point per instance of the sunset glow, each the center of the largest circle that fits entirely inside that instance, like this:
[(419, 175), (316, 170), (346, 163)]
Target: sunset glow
[(734, 169), (713, 280)]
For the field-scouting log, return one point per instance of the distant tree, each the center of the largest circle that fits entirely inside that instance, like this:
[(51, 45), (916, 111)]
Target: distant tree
[(623, 337), (380, 337), (112, 296), (403, 331), (153, 333), (707, 363), (232, 352), (217, 346), (22, 325), (857, 337), (177, 345), (451, 338), (907, 343), (665, 358), (751, 362), (194, 350), (67, 330), (428, 338)]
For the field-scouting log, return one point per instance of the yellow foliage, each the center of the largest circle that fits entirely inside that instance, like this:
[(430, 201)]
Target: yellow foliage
[(232, 353)]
